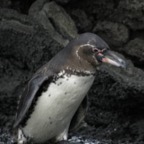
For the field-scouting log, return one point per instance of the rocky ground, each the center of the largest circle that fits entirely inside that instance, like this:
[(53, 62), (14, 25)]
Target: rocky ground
[(31, 32)]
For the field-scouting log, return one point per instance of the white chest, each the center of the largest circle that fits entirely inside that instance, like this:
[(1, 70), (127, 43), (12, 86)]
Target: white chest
[(56, 106)]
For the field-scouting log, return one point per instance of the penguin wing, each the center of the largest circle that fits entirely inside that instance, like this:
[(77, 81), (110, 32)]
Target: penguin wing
[(28, 96)]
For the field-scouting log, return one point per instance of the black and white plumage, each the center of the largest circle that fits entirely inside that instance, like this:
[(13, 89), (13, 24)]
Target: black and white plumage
[(56, 91)]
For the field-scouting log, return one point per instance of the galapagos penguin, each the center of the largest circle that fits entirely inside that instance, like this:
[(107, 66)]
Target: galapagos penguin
[(57, 90)]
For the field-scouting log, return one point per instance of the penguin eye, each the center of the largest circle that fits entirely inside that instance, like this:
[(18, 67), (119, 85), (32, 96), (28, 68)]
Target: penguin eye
[(95, 50)]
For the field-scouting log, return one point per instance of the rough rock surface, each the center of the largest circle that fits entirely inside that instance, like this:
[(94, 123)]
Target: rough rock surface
[(55, 20), (114, 33), (82, 21), (135, 50), (28, 41), (5, 3)]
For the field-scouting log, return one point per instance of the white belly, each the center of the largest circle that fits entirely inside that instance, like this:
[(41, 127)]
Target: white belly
[(56, 107)]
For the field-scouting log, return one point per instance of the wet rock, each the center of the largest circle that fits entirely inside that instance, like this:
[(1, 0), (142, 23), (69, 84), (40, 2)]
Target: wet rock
[(5, 136), (55, 20), (82, 140), (115, 34)]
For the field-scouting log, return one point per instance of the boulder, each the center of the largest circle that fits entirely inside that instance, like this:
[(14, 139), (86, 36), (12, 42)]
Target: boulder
[(115, 34)]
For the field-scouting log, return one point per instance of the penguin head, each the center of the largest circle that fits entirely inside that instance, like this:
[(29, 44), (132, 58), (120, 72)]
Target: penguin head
[(92, 49)]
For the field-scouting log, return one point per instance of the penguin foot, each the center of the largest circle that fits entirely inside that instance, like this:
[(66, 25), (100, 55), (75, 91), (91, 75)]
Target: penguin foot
[(21, 137), (13, 140)]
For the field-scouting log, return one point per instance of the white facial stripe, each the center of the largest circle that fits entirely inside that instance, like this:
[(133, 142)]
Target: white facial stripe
[(77, 54), (77, 51), (87, 45)]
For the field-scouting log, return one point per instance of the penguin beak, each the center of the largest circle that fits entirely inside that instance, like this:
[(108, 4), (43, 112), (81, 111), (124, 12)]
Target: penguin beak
[(111, 58)]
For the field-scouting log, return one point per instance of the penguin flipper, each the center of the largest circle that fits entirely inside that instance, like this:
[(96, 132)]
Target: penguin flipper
[(28, 96), (79, 116)]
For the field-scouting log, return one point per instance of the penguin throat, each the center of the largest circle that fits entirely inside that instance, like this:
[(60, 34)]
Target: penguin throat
[(68, 71)]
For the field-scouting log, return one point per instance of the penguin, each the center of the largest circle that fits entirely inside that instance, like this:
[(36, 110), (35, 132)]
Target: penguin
[(56, 93)]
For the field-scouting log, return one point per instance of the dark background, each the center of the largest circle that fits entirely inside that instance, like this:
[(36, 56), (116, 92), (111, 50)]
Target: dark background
[(31, 32)]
